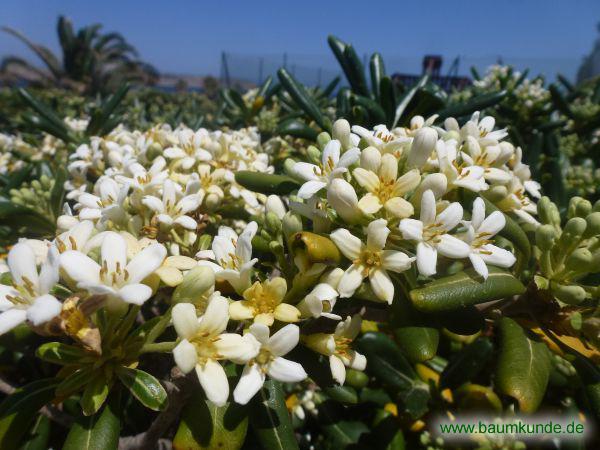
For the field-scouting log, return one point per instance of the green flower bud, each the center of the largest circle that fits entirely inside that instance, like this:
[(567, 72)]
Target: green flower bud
[(153, 151), (572, 234), (496, 193), (36, 185), (593, 225), (545, 236), (273, 222), (195, 284), (314, 154), (356, 379), (548, 212), (580, 260), (596, 207), (323, 139), (569, 294), (291, 223), (204, 242), (47, 183), (288, 167)]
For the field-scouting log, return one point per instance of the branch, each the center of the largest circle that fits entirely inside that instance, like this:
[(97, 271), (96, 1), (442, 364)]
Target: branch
[(151, 438)]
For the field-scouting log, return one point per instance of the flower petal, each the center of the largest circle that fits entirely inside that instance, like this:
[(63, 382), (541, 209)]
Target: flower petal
[(185, 356), (451, 216), (395, 261), (287, 371), (382, 285), (284, 340), (426, 259), (479, 265), (411, 229), (214, 381), (349, 245), (44, 308), (135, 294), (377, 233), (338, 370), (251, 381), (452, 247), (146, 262), (215, 318), (79, 267), (114, 251), (351, 280), (11, 318), (21, 261), (310, 188)]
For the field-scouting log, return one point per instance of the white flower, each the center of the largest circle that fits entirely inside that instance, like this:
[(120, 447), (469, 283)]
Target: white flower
[(480, 231), (385, 189), (107, 205), (431, 234), (381, 138), (370, 260), (319, 302), (269, 361), (29, 298), (483, 130), (204, 343), (342, 197), (332, 166), (491, 158), (189, 150), (114, 277), (232, 256), (174, 206), (468, 177), (337, 347)]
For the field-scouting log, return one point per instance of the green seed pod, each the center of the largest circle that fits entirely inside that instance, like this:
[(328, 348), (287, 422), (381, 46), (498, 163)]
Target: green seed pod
[(545, 237), (572, 234), (548, 212), (36, 185), (579, 260), (323, 139), (569, 294), (593, 225)]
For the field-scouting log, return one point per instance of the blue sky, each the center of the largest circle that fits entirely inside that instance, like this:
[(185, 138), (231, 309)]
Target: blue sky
[(188, 36)]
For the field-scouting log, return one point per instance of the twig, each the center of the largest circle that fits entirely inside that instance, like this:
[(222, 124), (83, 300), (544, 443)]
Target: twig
[(151, 438), (50, 411)]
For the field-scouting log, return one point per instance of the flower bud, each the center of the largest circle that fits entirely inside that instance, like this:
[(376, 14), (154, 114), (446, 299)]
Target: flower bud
[(153, 151), (323, 139), (578, 207), (288, 167), (572, 233), (370, 159), (314, 154), (272, 222), (341, 132), (569, 294), (342, 197), (291, 223), (275, 205), (579, 260), (195, 284), (422, 147), (66, 222), (436, 182), (593, 225), (548, 212), (545, 236)]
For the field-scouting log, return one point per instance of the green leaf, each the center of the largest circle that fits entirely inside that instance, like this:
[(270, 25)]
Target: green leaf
[(477, 103), (377, 69), (523, 366), (98, 432), (407, 98), (144, 387), (467, 363), (266, 183), (303, 99), (63, 354), (94, 394), (464, 289), (48, 117), (342, 394), (419, 343), (387, 363), (19, 409), (58, 191), (296, 128), (339, 431), (37, 438), (99, 121), (74, 382), (270, 420), (355, 72), (207, 426)]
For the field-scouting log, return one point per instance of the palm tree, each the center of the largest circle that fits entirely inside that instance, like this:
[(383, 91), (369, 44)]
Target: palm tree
[(91, 61)]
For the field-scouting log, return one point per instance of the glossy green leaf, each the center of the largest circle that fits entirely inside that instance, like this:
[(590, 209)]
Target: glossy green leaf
[(406, 99), (523, 366), (207, 426), (341, 432), (419, 343), (97, 432), (296, 128), (38, 436), (302, 98), (467, 363), (355, 71), (464, 289), (270, 420), (477, 103), (377, 69), (18, 410), (63, 354), (74, 382), (266, 183), (94, 394), (144, 387), (342, 394)]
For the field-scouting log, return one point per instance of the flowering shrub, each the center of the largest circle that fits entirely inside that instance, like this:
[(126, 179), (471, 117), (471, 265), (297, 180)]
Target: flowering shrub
[(338, 287)]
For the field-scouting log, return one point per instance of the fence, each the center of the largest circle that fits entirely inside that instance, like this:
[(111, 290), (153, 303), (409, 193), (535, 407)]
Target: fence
[(318, 70)]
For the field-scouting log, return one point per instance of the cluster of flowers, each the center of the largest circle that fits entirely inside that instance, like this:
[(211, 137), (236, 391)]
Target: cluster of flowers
[(136, 234)]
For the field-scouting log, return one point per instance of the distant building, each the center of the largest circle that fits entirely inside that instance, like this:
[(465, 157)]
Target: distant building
[(432, 65), (590, 67)]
